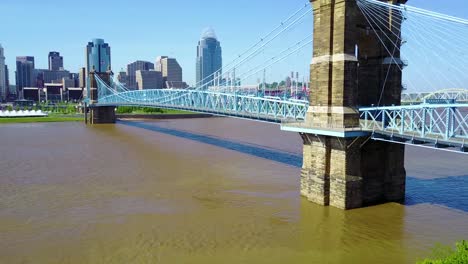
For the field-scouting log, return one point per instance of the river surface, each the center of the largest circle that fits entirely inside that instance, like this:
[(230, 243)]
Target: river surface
[(204, 191)]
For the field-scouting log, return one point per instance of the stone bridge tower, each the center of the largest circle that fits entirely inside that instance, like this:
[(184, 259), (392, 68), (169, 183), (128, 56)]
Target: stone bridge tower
[(99, 114), (342, 167)]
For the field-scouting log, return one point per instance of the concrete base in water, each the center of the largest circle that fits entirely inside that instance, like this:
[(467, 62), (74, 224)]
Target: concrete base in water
[(102, 115), (350, 173)]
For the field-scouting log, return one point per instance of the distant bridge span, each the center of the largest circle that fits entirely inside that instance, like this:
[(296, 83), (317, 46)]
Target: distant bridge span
[(459, 95)]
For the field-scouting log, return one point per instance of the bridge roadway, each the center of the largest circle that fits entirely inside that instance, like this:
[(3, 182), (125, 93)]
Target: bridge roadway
[(441, 126)]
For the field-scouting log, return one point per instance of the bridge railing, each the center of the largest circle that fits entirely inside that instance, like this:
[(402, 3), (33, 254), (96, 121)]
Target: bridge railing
[(230, 104), (459, 95), (444, 121)]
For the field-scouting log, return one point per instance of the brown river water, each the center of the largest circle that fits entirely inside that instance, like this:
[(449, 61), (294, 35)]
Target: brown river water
[(204, 191)]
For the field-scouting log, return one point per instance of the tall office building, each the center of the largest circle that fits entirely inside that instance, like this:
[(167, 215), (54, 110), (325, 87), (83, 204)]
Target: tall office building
[(7, 81), (76, 79), (132, 68), (148, 79), (55, 61), (122, 77), (98, 56), (209, 57), (3, 84), (82, 77), (158, 65), (171, 72), (24, 74)]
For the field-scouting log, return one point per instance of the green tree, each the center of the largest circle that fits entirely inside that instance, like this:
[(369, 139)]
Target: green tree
[(443, 255)]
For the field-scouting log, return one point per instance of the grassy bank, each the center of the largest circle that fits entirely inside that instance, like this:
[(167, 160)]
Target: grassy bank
[(447, 255), (148, 110), (60, 115), (50, 118)]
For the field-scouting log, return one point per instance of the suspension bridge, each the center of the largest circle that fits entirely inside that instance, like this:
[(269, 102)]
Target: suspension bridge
[(361, 106)]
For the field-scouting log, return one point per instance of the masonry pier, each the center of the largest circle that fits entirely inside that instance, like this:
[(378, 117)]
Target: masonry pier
[(341, 166), (99, 114)]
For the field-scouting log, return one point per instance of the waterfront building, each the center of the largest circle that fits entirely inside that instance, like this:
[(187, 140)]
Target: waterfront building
[(98, 56), (32, 93), (55, 61), (3, 78), (149, 80), (68, 83), (74, 93), (209, 57), (171, 72), (24, 74), (54, 92), (132, 68)]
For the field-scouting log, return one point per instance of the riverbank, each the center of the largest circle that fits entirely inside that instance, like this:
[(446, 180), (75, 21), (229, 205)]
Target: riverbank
[(80, 118), (44, 119)]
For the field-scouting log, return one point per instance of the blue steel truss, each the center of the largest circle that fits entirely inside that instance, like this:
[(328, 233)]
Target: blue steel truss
[(460, 95), (225, 104), (440, 126), (433, 125)]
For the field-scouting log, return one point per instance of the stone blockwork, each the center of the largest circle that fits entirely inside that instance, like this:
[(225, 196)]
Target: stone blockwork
[(99, 114), (351, 173), (102, 115), (348, 69)]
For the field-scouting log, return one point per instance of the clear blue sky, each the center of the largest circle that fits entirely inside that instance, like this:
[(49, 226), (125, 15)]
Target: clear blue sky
[(145, 29)]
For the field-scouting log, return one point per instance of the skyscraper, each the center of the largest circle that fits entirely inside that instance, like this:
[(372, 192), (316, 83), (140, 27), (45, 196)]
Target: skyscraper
[(98, 56), (122, 77), (148, 79), (171, 72), (7, 81), (209, 57), (3, 84), (55, 61), (132, 68), (82, 77), (24, 74)]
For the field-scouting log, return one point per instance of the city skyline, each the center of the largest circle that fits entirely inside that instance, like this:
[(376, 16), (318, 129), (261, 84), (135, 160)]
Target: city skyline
[(131, 45)]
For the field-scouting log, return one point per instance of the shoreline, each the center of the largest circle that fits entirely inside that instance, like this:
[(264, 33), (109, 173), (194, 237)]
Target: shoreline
[(80, 118), (42, 119)]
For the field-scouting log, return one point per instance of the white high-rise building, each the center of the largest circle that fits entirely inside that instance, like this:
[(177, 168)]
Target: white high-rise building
[(3, 88)]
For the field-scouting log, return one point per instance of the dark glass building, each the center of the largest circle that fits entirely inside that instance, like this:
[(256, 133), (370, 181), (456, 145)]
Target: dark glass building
[(24, 74), (98, 56), (209, 57), (55, 61)]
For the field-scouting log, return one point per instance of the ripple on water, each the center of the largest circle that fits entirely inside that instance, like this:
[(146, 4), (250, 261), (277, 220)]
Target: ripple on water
[(203, 191)]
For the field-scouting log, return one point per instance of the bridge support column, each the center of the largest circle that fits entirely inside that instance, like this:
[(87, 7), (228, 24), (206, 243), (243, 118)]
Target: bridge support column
[(102, 115), (99, 114), (350, 173), (342, 167)]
